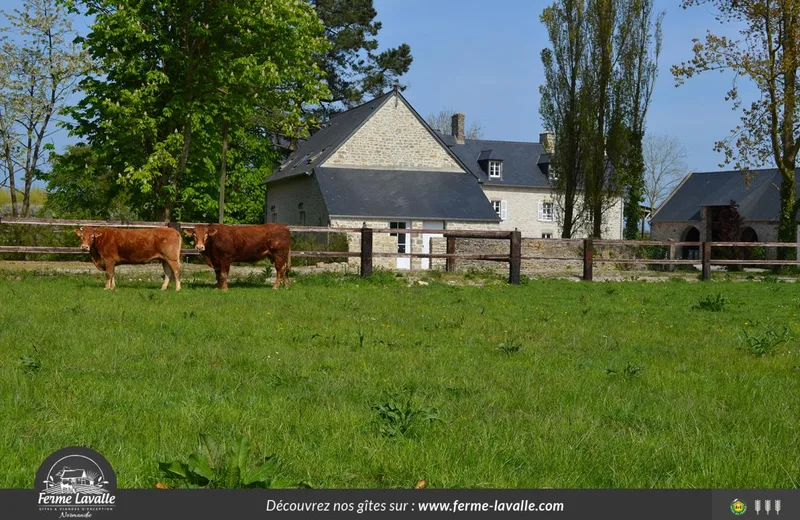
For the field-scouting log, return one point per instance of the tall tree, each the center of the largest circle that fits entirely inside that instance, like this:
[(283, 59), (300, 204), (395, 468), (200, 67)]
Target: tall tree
[(664, 166), (563, 97), (175, 74), (353, 66), (599, 77), (640, 68), (443, 122), (766, 52), (607, 37), (39, 67)]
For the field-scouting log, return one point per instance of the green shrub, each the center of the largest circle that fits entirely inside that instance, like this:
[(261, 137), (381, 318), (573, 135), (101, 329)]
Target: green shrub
[(400, 416), (711, 303), (318, 242), (215, 466), (763, 340), (52, 236)]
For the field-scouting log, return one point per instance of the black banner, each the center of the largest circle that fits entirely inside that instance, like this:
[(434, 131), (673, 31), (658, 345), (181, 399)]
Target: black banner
[(153, 504)]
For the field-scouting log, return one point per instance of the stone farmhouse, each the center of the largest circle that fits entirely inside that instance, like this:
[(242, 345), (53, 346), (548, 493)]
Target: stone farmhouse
[(382, 165), (689, 214)]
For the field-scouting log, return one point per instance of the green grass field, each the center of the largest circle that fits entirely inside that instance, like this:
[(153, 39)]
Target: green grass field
[(549, 384)]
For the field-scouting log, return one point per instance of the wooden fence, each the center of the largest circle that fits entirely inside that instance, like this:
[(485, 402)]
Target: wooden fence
[(514, 257)]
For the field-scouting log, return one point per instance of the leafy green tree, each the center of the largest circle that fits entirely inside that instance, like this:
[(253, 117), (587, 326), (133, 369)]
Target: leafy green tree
[(78, 187), (178, 80), (766, 53), (640, 70)]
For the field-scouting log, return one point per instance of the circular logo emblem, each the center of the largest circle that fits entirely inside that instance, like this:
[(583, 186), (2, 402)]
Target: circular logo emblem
[(738, 507), (76, 480)]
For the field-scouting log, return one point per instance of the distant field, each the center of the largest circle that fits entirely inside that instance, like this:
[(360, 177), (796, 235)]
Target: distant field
[(550, 384), (38, 196)]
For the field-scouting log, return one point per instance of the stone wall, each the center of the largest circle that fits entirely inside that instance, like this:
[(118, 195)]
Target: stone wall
[(393, 138), (536, 248), (284, 199)]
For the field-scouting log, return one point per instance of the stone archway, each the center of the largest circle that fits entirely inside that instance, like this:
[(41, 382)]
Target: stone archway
[(748, 235), (690, 234)]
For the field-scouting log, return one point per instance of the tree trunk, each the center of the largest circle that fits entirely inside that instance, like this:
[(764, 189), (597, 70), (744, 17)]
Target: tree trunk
[(223, 171), (12, 183), (170, 207)]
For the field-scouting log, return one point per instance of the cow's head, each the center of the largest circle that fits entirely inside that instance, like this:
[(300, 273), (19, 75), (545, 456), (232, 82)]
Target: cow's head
[(88, 236), (200, 234)]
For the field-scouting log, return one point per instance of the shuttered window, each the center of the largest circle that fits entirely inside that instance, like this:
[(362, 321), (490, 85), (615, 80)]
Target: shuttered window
[(501, 208)]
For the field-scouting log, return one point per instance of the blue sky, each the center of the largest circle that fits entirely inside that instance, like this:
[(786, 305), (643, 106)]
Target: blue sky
[(481, 58)]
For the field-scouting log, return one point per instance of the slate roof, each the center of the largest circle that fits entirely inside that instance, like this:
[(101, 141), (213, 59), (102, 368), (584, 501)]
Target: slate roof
[(521, 161), (325, 141), (357, 192), (758, 202)]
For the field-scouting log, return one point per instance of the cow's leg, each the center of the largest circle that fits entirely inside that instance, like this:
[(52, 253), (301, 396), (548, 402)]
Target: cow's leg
[(175, 268), (217, 273), (167, 274), (224, 269), (281, 266), (109, 275)]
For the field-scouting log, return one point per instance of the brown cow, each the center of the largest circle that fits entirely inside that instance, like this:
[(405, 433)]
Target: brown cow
[(110, 247), (222, 245)]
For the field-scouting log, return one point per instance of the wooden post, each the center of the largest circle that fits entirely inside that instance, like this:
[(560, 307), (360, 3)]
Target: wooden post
[(515, 258), (706, 260), (366, 251), (671, 267), (450, 263), (588, 261)]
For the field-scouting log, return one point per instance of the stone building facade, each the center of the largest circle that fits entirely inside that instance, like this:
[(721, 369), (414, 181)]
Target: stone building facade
[(381, 165)]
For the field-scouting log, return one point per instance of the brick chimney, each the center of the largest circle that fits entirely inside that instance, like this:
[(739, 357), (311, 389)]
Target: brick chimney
[(548, 141), (457, 127)]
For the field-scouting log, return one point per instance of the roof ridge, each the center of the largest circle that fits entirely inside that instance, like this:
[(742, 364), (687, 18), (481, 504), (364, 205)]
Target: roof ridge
[(361, 105), (501, 141)]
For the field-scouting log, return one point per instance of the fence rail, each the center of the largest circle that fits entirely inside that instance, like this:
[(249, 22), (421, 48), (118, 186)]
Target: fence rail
[(514, 257)]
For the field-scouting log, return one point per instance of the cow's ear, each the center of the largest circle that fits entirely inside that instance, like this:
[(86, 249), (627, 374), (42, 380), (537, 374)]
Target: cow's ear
[(79, 232), (189, 232), (97, 234), (212, 232)]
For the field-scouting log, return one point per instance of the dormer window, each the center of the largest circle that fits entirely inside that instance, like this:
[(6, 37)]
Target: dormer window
[(495, 169)]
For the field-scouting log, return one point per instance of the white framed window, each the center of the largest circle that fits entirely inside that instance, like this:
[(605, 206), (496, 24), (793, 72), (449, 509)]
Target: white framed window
[(274, 214), (547, 235), (401, 237), (302, 217), (546, 212), (501, 208), (495, 169)]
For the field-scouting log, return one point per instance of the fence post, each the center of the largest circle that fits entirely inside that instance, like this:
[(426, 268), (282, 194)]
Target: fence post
[(588, 259), (706, 260), (450, 263), (515, 259), (366, 251)]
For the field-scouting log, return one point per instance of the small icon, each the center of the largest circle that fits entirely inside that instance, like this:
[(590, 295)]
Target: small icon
[(738, 507), (767, 506), (757, 506), (777, 507)]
